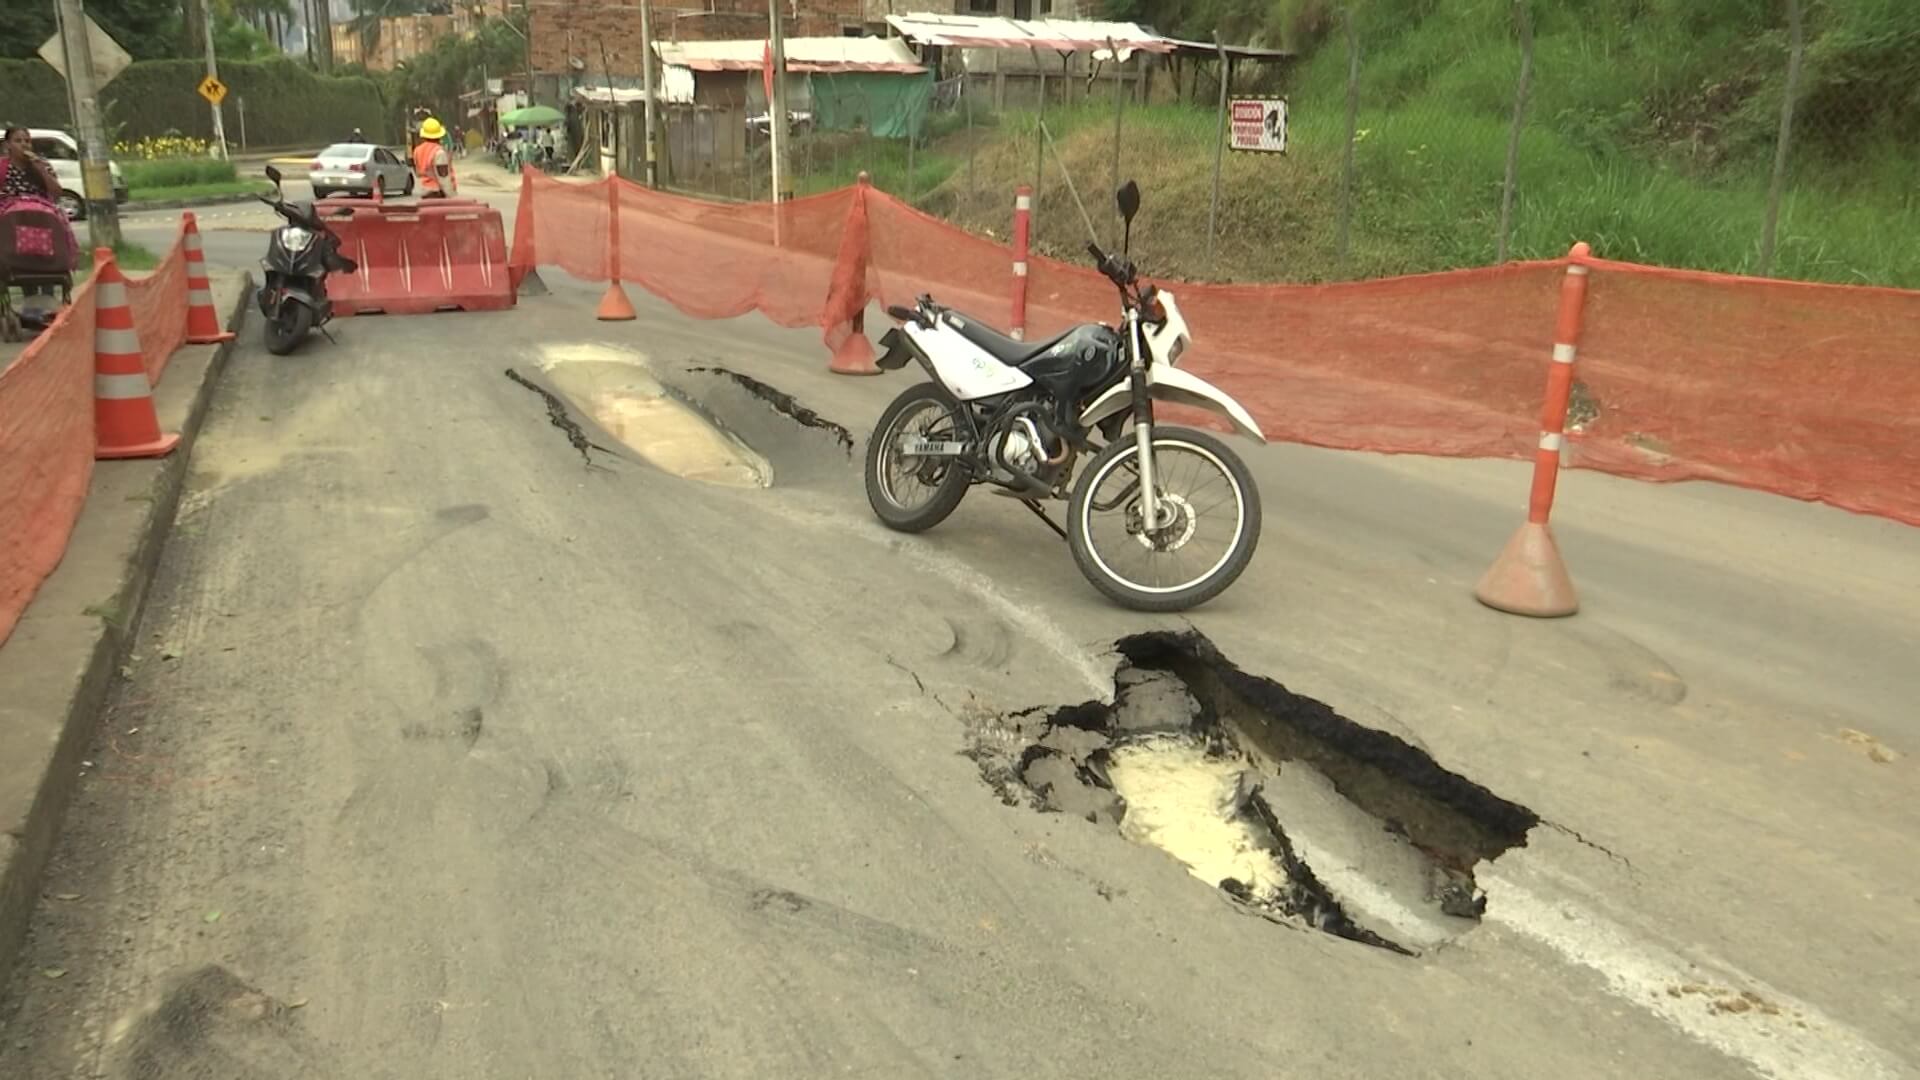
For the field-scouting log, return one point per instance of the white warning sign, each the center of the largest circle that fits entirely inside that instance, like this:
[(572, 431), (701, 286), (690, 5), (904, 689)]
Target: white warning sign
[(1258, 125)]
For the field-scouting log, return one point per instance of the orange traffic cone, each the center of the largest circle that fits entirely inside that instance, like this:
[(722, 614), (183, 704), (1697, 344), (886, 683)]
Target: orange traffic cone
[(203, 322), (124, 423)]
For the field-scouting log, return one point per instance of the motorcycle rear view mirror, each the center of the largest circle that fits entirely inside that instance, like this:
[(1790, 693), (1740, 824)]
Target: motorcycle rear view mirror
[(1129, 199), (273, 174)]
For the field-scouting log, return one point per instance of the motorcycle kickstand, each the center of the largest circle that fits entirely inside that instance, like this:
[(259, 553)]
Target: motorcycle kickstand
[(1042, 515), (328, 336)]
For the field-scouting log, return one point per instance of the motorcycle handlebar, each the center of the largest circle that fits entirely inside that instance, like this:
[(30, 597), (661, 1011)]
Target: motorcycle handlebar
[(1118, 273)]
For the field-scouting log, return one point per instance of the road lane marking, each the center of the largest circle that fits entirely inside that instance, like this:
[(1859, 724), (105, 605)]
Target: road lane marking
[(1783, 1039)]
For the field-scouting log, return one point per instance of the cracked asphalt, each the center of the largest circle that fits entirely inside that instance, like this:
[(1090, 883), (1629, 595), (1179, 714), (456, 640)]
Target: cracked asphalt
[(446, 755)]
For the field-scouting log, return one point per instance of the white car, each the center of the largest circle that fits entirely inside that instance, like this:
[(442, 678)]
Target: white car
[(354, 169), (62, 152)]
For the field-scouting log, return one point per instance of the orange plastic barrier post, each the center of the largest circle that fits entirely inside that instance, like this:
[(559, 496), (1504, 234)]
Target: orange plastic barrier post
[(614, 305), (203, 322), (1022, 226), (854, 356), (1529, 577), (124, 422)]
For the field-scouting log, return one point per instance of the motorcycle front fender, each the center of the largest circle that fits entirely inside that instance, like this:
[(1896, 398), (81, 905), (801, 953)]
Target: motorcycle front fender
[(1176, 387)]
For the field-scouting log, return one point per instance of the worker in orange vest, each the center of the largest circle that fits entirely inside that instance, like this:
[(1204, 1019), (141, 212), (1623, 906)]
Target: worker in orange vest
[(432, 163)]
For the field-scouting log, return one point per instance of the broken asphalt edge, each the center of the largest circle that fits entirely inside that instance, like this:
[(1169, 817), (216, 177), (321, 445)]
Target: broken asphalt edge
[(59, 664)]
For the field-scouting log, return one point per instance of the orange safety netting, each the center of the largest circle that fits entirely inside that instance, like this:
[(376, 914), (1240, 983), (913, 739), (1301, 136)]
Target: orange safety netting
[(1804, 390), (159, 303), (46, 425), (710, 260), (46, 452)]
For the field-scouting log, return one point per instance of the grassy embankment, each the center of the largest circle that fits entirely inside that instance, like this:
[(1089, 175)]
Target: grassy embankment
[(185, 180), (1651, 138)]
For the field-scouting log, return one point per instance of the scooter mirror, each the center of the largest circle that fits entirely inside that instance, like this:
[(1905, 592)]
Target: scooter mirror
[(1129, 199), (273, 174)]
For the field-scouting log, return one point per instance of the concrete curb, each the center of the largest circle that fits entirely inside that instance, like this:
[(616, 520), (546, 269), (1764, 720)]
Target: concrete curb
[(60, 663)]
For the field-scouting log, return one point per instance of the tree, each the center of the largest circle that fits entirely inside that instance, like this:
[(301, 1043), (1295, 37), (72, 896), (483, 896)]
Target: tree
[(147, 29)]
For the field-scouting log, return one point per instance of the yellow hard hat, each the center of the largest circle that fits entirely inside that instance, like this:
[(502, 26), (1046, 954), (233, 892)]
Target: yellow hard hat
[(431, 129)]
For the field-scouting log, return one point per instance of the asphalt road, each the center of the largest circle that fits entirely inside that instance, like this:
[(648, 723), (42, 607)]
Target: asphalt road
[(471, 759)]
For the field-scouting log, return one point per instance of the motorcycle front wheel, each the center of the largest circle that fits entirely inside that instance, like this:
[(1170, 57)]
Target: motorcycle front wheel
[(286, 329), (1209, 527)]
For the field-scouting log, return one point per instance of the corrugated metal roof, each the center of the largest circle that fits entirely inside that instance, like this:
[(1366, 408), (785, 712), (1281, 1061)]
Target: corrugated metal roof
[(804, 54), (675, 88), (1060, 35)]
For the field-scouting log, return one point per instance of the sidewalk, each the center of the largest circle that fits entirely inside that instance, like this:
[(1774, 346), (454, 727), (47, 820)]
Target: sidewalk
[(57, 665)]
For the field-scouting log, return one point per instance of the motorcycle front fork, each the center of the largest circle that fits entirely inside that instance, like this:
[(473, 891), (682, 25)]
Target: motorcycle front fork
[(1143, 429)]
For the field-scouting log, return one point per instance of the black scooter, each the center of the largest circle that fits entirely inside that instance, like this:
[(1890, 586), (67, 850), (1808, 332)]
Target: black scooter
[(300, 255)]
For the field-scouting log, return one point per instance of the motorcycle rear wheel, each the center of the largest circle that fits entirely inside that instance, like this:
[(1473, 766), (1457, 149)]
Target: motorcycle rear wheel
[(288, 328), (1177, 566), (915, 496)]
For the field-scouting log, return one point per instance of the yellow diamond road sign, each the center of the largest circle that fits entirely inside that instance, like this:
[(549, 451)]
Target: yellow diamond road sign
[(213, 89)]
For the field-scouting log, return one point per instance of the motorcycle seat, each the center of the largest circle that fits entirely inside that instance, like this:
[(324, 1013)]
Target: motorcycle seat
[(998, 345)]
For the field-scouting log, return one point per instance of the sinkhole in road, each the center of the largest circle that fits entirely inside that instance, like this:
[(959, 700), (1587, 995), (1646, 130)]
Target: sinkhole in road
[(673, 434), (1295, 811)]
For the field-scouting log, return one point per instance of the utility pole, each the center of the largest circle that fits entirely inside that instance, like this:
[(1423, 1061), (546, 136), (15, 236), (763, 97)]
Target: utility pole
[(527, 37), (103, 217), (646, 83), (213, 72), (777, 108)]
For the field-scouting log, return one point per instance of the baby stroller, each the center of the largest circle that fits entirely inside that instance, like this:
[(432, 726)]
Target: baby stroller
[(37, 248)]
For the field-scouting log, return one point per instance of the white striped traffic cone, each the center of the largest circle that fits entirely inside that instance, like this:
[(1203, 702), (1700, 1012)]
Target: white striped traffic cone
[(203, 322), (124, 423)]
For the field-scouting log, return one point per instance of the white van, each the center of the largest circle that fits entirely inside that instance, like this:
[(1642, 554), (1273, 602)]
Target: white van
[(63, 153)]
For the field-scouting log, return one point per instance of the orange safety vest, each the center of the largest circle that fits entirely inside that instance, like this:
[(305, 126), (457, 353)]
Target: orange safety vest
[(423, 165)]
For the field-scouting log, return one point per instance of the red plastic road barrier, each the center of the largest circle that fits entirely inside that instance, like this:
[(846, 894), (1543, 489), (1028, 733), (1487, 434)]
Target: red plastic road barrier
[(1529, 577), (124, 422), (1022, 226), (203, 322), (438, 255)]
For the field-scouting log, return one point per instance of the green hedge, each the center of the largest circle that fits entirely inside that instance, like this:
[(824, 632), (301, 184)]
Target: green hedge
[(287, 105)]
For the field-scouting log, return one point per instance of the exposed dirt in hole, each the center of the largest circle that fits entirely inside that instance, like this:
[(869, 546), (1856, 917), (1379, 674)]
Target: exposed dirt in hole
[(671, 433), (1296, 811)]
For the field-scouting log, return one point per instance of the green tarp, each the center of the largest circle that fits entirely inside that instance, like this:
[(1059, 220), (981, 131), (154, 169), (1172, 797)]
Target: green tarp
[(890, 106)]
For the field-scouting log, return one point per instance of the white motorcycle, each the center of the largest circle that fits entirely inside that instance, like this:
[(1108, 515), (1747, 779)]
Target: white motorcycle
[(1162, 519)]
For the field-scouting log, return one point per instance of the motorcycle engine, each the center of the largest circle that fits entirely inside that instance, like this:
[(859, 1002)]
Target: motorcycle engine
[(1020, 452), (1025, 444)]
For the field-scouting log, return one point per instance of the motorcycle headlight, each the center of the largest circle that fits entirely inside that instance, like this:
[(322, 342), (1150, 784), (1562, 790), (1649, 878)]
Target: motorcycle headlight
[(295, 238)]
